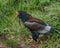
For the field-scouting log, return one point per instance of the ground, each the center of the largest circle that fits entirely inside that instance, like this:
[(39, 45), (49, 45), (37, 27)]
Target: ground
[(21, 44)]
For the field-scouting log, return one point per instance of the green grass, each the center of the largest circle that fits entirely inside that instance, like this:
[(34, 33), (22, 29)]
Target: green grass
[(48, 11)]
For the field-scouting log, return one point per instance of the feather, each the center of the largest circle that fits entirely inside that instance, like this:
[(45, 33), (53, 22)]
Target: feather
[(45, 30), (34, 25)]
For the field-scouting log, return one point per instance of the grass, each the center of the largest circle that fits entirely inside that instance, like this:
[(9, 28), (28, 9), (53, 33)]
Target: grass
[(48, 11)]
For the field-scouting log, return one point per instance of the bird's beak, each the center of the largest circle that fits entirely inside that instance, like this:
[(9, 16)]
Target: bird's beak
[(17, 13)]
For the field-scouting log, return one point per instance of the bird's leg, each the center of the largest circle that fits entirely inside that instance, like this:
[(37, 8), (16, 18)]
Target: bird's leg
[(30, 39), (35, 35)]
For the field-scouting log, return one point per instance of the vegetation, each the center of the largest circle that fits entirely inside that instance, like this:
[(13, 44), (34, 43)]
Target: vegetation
[(11, 25)]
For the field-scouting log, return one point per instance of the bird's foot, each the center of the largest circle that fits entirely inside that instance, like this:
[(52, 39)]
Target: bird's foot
[(30, 39)]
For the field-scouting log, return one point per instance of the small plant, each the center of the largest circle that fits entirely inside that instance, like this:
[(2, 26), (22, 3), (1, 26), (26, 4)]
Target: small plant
[(11, 42), (27, 42)]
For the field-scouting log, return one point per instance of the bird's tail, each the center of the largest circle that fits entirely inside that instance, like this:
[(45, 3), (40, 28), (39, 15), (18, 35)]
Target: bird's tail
[(52, 30), (55, 30)]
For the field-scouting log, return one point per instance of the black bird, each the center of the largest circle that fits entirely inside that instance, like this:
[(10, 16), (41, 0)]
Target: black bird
[(36, 26)]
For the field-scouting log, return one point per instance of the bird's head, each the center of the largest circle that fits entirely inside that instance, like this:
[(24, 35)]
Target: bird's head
[(23, 15)]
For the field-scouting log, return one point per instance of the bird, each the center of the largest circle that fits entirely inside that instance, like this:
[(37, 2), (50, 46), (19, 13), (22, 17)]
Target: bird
[(35, 25)]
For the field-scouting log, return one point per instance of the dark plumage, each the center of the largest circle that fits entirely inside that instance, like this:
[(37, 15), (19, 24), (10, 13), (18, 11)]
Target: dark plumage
[(36, 26)]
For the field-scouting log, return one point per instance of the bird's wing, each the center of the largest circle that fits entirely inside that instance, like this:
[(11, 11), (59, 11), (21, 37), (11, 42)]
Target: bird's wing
[(34, 25)]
